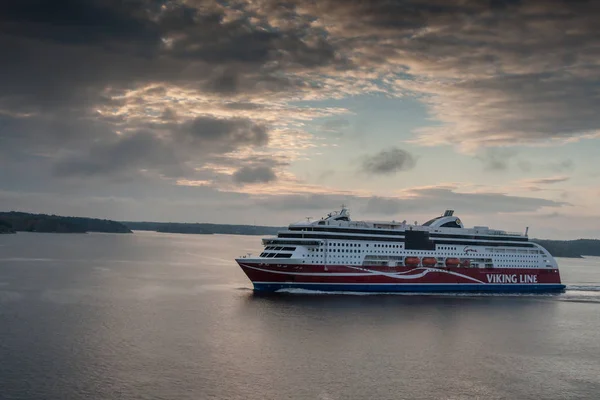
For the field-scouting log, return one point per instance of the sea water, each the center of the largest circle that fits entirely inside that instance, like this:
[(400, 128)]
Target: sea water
[(169, 316)]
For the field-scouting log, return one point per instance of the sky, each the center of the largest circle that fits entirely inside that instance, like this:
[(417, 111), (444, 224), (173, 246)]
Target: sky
[(267, 112)]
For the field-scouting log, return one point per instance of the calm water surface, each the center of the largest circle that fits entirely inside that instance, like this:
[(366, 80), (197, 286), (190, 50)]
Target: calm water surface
[(166, 316)]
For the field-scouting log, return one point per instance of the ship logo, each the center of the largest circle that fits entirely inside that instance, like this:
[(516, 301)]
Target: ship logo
[(469, 250)]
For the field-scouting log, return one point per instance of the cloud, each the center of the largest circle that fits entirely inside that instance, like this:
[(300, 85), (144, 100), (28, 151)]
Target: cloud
[(437, 199), (169, 149), (468, 61), (260, 174), (492, 73), (549, 181), (496, 159), (175, 94), (220, 135), (389, 162), (413, 201), (121, 157)]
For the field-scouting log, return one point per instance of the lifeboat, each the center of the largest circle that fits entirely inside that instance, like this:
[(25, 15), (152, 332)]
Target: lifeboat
[(429, 261), (452, 262), (466, 263), (411, 261)]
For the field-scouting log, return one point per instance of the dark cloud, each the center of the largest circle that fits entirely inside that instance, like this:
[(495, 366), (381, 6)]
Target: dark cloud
[(168, 150), (549, 181), (494, 73), (389, 162), (123, 156), (219, 135), (244, 106), (71, 52), (260, 174)]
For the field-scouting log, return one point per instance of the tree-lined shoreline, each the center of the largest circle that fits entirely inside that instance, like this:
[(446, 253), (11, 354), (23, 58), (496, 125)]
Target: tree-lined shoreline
[(13, 221)]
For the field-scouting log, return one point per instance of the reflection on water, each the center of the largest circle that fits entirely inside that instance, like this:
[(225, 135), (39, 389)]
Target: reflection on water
[(150, 315)]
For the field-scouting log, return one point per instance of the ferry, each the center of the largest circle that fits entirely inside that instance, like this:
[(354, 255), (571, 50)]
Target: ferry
[(336, 253)]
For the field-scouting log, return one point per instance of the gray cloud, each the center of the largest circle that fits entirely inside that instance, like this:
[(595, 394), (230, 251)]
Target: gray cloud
[(434, 199), (389, 162), (82, 82), (168, 150), (493, 73), (221, 135), (123, 156), (549, 181), (82, 48), (498, 88), (429, 201), (260, 174), (497, 159)]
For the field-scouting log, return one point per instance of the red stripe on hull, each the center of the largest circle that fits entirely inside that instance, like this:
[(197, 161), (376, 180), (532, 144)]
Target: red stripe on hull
[(258, 272)]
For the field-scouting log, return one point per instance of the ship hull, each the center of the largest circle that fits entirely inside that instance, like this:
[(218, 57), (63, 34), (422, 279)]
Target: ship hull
[(274, 277)]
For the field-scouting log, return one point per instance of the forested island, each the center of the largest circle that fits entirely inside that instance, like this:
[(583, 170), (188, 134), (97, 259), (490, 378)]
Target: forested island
[(571, 248), (202, 228), (11, 222), (5, 227), (14, 221)]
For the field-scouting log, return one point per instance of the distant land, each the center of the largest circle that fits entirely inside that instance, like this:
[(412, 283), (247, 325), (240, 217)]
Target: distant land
[(13, 221), (571, 248), (5, 227), (201, 228), (558, 248)]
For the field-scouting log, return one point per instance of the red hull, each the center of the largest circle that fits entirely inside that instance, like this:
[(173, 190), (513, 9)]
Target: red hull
[(276, 276)]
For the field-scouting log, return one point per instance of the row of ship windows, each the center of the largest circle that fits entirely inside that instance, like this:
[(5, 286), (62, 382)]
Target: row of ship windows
[(521, 251), (407, 252), (451, 248), (400, 246), (276, 255), (423, 252), (339, 259), (391, 246)]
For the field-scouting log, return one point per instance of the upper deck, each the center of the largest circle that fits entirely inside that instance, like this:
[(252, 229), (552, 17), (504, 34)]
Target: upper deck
[(445, 224)]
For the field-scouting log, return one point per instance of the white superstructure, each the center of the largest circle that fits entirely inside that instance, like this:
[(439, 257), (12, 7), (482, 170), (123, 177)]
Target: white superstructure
[(337, 240)]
